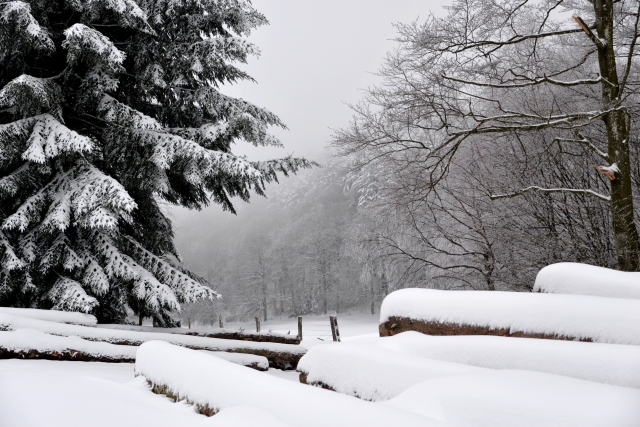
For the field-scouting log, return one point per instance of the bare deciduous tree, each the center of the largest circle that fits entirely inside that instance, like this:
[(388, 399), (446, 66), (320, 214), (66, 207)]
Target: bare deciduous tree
[(556, 73)]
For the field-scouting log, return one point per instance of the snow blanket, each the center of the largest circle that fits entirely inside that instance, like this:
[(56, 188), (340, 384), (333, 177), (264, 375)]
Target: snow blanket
[(73, 318), (35, 393), (281, 356), (521, 399), (370, 372), (215, 385), (589, 318), (29, 343), (584, 279)]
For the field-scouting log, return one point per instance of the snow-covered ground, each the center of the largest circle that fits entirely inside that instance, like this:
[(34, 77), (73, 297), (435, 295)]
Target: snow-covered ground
[(411, 378)]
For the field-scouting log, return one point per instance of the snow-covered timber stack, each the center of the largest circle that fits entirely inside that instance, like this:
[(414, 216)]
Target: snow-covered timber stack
[(73, 318), (222, 333), (584, 279), (282, 356), (214, 385), (380, 368), (514, 314)]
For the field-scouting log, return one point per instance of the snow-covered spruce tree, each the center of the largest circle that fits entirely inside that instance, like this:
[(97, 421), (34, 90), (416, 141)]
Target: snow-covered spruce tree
[(109, 109)]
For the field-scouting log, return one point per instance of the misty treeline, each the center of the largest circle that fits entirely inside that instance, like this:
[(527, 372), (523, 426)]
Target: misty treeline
[(502, 138)]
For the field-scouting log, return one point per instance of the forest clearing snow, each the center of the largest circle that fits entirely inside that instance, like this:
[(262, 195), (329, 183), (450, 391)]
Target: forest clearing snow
[(459, 381)]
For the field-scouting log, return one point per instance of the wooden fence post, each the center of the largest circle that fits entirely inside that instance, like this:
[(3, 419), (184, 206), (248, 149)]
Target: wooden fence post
[(220, 322), (257, 324), (333, 327), (300, 328)]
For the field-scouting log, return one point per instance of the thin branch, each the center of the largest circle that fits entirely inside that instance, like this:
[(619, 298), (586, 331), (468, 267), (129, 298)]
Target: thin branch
[(627, 70), (588, 31), (551, 190)]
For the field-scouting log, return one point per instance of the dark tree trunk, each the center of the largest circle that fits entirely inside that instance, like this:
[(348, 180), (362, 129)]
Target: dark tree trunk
[(617, 124)]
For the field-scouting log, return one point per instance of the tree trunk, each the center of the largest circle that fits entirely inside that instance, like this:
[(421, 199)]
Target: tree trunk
[(140, 319), (264, 300), (373, 297), (618, 124), (324, 286)]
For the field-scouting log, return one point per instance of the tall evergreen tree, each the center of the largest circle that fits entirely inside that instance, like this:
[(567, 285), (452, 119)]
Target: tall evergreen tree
[(110, 109)]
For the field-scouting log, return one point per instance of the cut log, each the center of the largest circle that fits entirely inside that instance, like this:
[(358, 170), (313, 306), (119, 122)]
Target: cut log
[(223, 334), (512, 314)]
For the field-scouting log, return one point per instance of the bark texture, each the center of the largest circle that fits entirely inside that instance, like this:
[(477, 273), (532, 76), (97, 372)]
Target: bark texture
[(396, 325)]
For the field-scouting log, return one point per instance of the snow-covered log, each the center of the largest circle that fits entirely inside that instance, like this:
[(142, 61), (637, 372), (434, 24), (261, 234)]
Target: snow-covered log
[(584, 279), (371, 361), (519, 398), (280, 356), (214, 385), (226, 334), (370, 372), (515, 314), (32, 344), (73, 318)]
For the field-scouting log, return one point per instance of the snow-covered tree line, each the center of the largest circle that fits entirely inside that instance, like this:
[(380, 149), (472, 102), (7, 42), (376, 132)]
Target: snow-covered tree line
[(110, 110), (285, 256)]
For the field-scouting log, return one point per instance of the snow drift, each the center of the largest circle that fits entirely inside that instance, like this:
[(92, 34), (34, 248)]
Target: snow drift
[(537, 315), (281, 356), (70, 317), (214, 385), (584, 279)]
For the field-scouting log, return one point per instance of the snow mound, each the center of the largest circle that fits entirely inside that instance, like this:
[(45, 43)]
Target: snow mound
[(600, 319), (73, 318), (584, 279), (217, 384), (284, 355), (26, 340), (370, 372), (523, 399), (605, 363)]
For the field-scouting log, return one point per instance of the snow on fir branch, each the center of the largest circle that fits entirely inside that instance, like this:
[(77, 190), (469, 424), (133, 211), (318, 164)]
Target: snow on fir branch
[(31, 95), (69, 295), (19, 14)]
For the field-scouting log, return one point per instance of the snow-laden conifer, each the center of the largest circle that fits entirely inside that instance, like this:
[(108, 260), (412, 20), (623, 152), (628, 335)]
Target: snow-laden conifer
[(109, 110)]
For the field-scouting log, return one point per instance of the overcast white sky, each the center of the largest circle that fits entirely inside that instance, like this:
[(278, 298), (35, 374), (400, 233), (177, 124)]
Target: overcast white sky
[(316, 55)]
